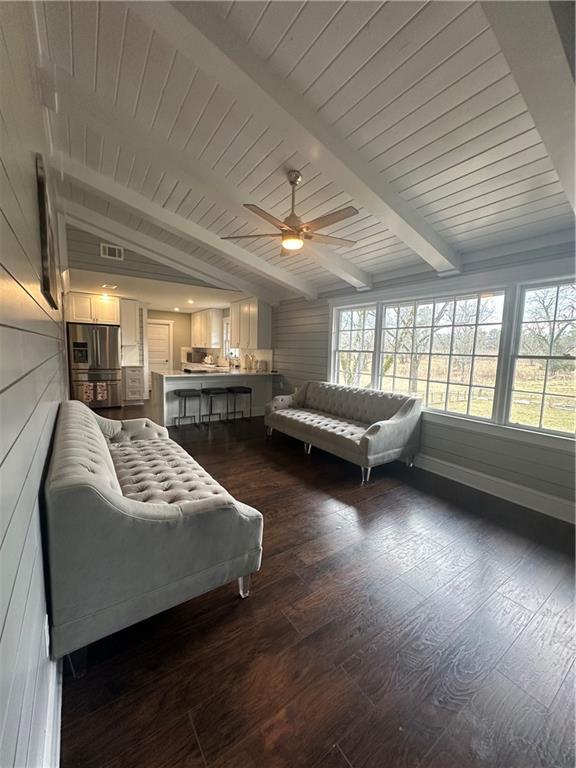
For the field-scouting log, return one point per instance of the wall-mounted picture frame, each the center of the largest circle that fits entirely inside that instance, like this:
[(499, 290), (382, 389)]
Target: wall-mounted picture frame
[(49, 279)]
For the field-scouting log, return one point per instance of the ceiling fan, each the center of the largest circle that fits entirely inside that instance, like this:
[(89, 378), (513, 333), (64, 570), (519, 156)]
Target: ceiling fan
[(293, 230)]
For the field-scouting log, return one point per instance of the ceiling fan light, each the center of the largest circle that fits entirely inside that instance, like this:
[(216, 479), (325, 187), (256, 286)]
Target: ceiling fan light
[(292, 242)]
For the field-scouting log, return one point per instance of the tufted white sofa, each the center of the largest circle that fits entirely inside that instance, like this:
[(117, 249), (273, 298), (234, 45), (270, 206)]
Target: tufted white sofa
[(134, 526), (365, 426)]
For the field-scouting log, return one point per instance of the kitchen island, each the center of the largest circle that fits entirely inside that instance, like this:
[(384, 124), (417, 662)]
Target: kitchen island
[(164, 404)]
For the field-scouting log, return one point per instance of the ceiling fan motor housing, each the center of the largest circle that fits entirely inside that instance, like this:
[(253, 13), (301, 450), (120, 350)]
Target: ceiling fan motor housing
[(294, 177)]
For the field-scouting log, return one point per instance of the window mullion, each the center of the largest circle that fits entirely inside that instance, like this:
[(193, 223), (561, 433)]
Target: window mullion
[(510, 335), (376, 354)]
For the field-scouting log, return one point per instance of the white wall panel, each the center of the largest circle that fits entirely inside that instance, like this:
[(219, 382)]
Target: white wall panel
[(31, 386)]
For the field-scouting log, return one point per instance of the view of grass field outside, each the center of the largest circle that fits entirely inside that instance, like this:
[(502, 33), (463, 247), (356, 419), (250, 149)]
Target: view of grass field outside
[(543, 389), (446, 351)]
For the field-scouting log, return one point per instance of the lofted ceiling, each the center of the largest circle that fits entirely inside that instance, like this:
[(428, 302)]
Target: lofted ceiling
[(160, 295), (167, 117)]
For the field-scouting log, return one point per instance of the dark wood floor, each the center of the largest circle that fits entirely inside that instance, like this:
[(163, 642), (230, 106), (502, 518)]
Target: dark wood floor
[(409, 622)]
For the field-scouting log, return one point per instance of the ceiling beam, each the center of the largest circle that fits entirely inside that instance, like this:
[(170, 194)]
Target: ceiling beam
[(145, 208), (118, 126), (214, 46), (84, 218), (531, 44)]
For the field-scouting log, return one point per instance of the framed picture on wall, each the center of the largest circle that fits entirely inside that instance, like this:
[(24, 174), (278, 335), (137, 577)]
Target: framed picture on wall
[(49, 282)]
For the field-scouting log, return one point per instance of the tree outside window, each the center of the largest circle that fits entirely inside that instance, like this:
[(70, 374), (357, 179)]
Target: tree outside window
[(543, 388), (355, 346), (444, 350)]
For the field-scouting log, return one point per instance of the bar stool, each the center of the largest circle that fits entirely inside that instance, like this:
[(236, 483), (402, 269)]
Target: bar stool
[(183, 396), (235, 392), (211, 393)]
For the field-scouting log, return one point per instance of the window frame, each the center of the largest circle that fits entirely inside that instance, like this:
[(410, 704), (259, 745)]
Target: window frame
[(514, 355), (335, 338), (509, 340), (476, 294)]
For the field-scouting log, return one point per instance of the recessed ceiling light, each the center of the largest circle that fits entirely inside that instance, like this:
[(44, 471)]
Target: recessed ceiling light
[(176, 309), (190, 301), (108, 285)]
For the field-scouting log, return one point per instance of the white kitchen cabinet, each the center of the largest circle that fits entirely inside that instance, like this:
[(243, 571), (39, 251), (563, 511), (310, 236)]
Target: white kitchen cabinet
[(245, 324), (130, 322), (92, 308), (207, 329), (80, 308), (250, 324), (133, 383), (235, 325)]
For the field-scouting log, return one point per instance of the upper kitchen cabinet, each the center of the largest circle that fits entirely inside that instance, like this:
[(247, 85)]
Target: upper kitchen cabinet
[(130, 322), (207, 329), (93, 308), (250, 324)]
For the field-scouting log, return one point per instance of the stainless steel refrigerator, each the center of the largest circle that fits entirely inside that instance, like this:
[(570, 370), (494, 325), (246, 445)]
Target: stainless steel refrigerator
[(94, 359)]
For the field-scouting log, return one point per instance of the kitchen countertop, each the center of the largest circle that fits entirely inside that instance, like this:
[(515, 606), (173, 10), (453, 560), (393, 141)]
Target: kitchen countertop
[(211, 374)]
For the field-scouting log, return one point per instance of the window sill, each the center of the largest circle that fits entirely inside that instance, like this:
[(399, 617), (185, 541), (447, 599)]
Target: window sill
[(517, 434)]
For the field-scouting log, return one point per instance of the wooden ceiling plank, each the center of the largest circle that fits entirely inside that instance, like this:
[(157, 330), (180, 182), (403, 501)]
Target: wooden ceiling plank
[(145, 208), (117, 127), (531, 44), (222, 56), (152, 248)]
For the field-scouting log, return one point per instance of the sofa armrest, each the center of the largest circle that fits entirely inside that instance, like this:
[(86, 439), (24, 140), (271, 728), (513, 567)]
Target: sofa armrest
[(105, 549), (394, 433), (278, 403)]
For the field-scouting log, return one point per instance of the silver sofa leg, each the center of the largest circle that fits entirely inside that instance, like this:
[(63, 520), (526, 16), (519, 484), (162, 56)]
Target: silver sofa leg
[(269, 431), (244, 586), (409, 461), (308, 448), (366, 474)]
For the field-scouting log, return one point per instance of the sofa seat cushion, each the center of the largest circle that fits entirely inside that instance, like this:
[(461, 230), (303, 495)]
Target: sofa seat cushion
[(318, 427), (161, 471)]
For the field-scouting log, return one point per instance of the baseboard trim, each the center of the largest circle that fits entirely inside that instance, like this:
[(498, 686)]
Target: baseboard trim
[(562, 509), (53, 717)]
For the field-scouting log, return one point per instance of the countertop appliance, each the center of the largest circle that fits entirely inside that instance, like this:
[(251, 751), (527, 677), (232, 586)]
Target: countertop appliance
[(95, 368)]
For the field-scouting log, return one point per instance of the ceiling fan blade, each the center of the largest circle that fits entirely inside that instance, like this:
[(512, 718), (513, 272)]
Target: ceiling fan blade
[(265, 215), (249, 237), (330, 218), (329, 240)]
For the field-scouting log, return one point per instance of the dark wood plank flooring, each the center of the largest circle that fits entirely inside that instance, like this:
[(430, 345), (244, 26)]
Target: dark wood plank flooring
[(407, 623)]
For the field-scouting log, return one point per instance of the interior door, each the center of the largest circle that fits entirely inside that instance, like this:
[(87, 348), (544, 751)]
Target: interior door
[(159, 347)]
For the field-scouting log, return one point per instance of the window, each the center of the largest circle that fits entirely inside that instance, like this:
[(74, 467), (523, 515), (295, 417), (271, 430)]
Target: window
[(543, 380), (445, 350), (506, 356), (354, 347)]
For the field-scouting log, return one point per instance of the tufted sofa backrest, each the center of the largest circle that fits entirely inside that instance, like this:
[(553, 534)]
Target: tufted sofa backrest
[(80, 454), (356, 404)]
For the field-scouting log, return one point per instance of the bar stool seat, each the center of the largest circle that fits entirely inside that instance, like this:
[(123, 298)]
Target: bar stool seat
[(211, 393), (183, 396), (239, 390)]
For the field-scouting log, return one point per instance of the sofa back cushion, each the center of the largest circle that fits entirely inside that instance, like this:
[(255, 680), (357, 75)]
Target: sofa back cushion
[(80, 454), (355, 404)]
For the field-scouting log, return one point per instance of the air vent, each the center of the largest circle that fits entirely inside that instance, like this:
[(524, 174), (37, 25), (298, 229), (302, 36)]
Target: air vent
[(114, 252)]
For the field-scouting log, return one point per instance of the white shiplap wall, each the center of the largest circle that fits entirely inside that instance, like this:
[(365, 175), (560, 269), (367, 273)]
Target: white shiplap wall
[(501, 462), (31, 387)]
